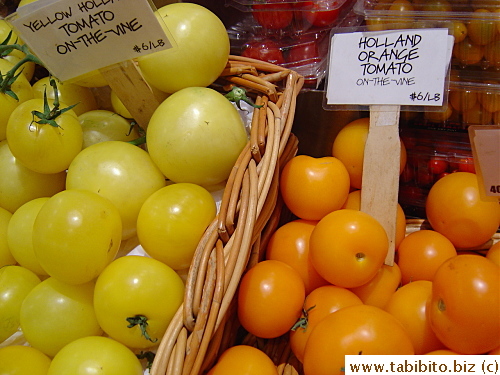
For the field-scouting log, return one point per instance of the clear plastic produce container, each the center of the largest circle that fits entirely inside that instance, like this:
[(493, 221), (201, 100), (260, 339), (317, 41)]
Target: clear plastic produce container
[(474, 23), (473, 99), (431, 154), (304, 50), (288, 17)]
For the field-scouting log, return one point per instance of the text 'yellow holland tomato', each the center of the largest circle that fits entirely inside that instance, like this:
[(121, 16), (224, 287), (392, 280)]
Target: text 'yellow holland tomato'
[(196, 135)]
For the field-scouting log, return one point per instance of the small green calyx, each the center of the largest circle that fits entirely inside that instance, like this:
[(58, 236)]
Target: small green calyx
[(49, 116), (303, 321), (142, 322), (148, 356), (237, 94)]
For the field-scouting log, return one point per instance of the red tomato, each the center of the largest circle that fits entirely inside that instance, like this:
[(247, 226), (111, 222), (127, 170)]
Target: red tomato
[(270, 299), (273, 15), (290, 244), (304, 49), (464, 307), (357, 329), (321, 13), (437, 165), (313, 187), (265, 50)]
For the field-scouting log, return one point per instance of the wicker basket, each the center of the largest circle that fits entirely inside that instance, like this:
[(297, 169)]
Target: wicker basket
[(250, 211)]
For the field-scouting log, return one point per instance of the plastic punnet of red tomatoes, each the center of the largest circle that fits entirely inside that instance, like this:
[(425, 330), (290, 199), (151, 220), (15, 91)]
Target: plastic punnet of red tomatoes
[(305, 53)]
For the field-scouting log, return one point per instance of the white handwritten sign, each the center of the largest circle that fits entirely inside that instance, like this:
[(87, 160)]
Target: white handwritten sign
[(392, 67), (73, 37)]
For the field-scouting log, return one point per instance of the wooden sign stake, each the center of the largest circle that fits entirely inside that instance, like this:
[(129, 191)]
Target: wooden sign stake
[(129, 85), (380, 181)]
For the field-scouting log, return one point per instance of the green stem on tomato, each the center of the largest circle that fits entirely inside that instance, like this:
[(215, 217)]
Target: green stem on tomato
[(237, 94), (142, 322), (49, 116)]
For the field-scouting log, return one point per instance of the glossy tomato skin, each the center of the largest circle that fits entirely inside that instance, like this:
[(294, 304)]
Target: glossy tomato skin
[(354, 330), (273, 15), (43, 148), (421, 253), (95, 354), (55, 313), (101, 125), (244, 359), (130, 286), (20, 233), (200, 54), (378, 290), (6, 257), (20, 184), (270, 299), (465, 304), (69, 93), (23, 360), (21, 87), (290, 244), (314, 187), (456, 209), (318, 304), (408, 304), (172, 221), (76, 234), (348, 247), (120, 172), (321, 13), (196, 136), (15, 284), (265, 50)]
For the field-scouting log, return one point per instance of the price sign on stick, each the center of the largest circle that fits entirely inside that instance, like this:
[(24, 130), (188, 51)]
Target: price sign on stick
[(485, 141), (386, 70), (75, 37)]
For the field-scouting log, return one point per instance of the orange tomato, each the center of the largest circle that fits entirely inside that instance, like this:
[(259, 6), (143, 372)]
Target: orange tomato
[(349, 147), (464, 309), (493, 253), (454, 208), (244, 360), (358, 329), (290, 244), (380, 288), (462, 100), (313, 187), (347, 247), (421, 253), (353, 202), (270, 299), (442, 352), (318, 304), (468, 53), (408, 305)]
